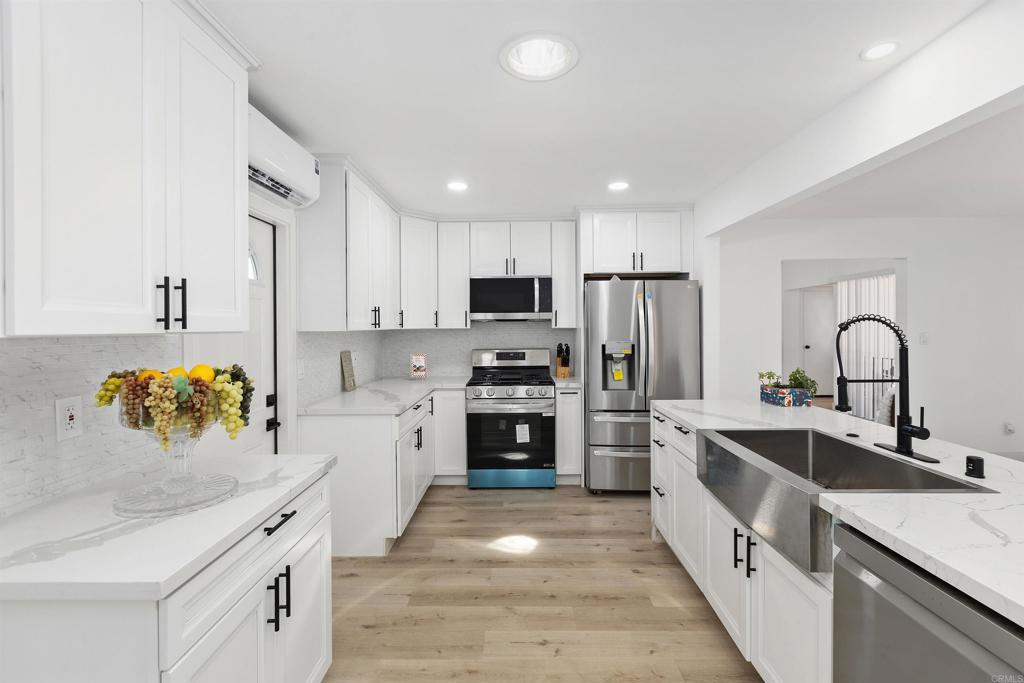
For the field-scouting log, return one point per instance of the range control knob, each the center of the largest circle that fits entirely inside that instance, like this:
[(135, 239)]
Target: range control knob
[(529, 392), (510, 392), (542, 391), (477, 391), (490, 392)]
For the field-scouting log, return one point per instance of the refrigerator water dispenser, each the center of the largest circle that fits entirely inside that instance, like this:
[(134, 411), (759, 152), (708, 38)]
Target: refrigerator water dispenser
[(619, 366)]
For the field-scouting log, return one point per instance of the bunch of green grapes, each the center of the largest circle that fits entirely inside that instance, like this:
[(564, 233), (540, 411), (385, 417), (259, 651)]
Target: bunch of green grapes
[(111, 387), (162, 403), (229, 393)]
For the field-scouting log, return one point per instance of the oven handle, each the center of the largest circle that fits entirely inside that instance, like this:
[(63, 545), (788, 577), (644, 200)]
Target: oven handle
[(485, 406)]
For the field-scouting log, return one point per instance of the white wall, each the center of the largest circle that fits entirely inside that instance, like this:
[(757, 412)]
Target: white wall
[(964, 287)]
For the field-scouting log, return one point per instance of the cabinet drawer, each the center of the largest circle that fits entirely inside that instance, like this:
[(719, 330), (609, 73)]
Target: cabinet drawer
[(192, 610), (413, 415), (682, 436)]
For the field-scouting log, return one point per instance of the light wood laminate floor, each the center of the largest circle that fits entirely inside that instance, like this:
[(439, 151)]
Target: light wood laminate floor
[(503, 586)]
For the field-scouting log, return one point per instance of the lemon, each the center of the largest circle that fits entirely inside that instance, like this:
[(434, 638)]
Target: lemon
[(177, 372), (203, 372), (149, 374)]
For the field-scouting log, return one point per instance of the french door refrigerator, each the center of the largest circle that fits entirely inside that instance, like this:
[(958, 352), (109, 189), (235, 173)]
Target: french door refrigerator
[(643, 343)]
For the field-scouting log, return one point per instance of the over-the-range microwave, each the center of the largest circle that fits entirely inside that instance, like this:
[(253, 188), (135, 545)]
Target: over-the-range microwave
[(510, 298)]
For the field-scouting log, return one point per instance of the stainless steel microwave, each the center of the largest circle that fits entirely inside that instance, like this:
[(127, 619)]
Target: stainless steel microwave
[(510, 298)]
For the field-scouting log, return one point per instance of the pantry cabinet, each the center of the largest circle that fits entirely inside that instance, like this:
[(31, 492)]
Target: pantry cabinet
[(564, 281), (638, 242), (453, 275), (419, 275), (568, 431), (374, 258), (140, 99)]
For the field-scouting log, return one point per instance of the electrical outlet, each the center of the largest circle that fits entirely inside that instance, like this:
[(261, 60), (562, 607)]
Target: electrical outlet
[(1009, 428), (924, 339), (68, 412)]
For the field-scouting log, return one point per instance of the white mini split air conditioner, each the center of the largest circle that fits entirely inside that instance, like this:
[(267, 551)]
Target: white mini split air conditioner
[(279, 168)]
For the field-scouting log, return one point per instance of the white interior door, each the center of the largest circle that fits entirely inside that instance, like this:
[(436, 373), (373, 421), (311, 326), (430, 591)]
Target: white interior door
[(531, 248), (615, 243), (419, 273), (819, 333), (254, 349), (489, 250)]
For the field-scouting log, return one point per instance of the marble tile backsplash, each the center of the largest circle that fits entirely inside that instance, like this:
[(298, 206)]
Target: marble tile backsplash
[(320, 354), (34, 372)]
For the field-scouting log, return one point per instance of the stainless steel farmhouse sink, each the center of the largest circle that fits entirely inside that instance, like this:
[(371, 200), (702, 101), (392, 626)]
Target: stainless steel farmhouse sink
[(771, 479)]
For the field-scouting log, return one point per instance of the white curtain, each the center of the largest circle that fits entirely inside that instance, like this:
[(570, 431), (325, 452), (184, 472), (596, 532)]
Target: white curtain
[(869, 349)]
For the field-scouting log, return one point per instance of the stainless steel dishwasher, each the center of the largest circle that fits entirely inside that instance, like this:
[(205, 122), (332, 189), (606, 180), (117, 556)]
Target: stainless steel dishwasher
[(895, 622)]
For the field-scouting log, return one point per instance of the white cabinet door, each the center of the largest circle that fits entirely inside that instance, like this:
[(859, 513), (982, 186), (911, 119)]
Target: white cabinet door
[(531, 248), (450, 433), (568, 431), (419, 273), (686, 511), (387, 263), (320, 268), (615, 243), (725, 583), (361, 313), (238, 646), (453, 275), (661, 510), (791, 627), (85, 238), (657, 242), (304, 641), (424, 456), (563, 274), (405, 471), (489, 249), (207, 144)]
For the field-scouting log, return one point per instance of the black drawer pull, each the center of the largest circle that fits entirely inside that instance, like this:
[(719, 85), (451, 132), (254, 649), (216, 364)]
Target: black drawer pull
[(276, 587), (680, 429), (750, 542), (736, 535), (659, 418), (660, 444), (417, 406), (661, 494), (269, 530), (287, 576)]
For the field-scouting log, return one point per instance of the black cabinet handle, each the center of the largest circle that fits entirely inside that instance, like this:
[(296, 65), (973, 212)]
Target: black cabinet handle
[(660, 444), (556, 318), (269, 530), (417, 406), (465, 316), (401, 318), (736, 535), (183, 288), (641, 260), (272, 424), (680, 429), (287, 576), (506, 266), (166, 286), (435, 318), (633, 267), (419, 438), (431, 405), (750, 542), (659, 418), (661, 494), (276, 619), (513, 265)]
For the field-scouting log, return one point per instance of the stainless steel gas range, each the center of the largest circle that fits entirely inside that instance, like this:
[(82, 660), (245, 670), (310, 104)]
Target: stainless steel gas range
[(510, 419)]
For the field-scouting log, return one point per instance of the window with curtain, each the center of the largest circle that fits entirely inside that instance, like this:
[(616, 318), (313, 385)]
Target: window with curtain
[(869, 349)]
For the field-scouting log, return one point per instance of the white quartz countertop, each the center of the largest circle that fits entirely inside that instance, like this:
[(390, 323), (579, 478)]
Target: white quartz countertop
[(973, 541), (76, 548), (569, 383), (383, 396)]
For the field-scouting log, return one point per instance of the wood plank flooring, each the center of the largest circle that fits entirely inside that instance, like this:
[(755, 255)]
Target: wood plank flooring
[(510, 586)]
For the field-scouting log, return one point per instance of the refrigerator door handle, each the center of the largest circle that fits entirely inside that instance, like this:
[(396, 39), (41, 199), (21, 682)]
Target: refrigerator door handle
[(641, 370), (650, 352)]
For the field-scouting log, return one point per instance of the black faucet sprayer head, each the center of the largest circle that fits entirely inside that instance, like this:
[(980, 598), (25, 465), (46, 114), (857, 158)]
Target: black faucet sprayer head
[(842, 384)]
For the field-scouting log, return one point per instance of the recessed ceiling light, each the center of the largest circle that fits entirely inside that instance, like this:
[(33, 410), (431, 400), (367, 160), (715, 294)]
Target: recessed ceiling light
[(457, 186), (538, 57), (618, 186), (878, 51)]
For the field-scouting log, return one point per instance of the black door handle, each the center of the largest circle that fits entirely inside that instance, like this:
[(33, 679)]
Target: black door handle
[(287, 576), (276, 619), (660, 444), (166, 286), (269, 530), (661, 494), (183, 288), (736, 535), (750, 542), (681, 429)]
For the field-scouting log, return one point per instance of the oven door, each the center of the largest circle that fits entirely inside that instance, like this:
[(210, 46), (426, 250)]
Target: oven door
[(510, 435)]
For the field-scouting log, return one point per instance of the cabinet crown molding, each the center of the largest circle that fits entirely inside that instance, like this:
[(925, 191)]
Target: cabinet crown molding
[(202, 15)]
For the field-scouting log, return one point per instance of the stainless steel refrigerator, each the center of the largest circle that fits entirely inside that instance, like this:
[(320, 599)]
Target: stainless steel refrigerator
[(643, 343)]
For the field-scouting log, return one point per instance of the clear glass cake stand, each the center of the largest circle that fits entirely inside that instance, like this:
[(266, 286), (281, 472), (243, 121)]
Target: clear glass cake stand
[(180, 490)]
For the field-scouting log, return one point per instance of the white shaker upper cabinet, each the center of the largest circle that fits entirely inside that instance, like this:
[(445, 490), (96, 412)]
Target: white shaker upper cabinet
[(489, 249), (563, 274), (361, 312), (531, 248), (615, 243), (657, 242), (453, 275), (85, 242), (207, 184), (387, 283), (419, 273)]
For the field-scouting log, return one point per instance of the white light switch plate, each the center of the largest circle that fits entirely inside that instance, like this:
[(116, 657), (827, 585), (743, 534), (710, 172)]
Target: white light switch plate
[(69, 417)]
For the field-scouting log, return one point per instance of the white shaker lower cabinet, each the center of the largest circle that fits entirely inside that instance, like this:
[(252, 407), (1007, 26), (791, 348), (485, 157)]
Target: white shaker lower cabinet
[(687, 499), (568, 431), (450, 432), (791, 622), (726, 585), (661, 488)]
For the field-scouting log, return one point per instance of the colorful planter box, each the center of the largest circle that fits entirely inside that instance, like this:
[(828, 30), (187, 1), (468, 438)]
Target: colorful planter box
[(787, 398)]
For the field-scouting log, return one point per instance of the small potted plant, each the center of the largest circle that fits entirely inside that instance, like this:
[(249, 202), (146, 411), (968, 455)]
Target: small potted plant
[(798, 392)]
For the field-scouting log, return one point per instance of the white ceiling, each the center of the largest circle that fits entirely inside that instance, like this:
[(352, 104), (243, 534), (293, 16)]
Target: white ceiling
[(672, 95), (978, 171)]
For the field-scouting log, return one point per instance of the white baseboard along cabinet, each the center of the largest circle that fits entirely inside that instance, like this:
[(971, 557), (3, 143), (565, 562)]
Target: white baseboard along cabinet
[(779, 617), (165, 102)]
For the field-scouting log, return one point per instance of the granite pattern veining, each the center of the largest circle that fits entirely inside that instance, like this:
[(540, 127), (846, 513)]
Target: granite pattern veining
[(973, 541)]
